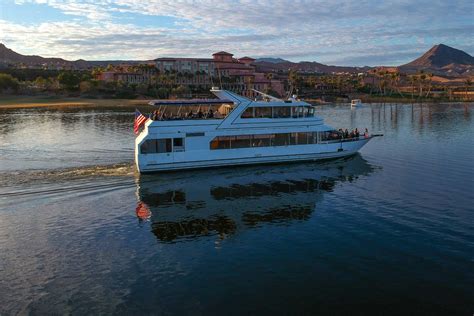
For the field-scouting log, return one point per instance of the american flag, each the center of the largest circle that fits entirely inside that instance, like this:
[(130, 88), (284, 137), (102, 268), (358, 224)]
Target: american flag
[(140, 119)]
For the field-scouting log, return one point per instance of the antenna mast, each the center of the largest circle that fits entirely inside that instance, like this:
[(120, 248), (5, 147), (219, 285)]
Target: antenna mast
[(219, 75)]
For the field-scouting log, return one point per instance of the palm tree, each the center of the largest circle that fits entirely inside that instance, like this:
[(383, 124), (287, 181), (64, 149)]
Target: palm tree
[(413, 80), (250, 80), (421, 82), (373, 74), (292, 79), (397, 82), (430, 77), (468, 83)]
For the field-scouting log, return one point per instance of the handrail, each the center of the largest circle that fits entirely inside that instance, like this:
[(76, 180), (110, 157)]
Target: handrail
[(351, 139)]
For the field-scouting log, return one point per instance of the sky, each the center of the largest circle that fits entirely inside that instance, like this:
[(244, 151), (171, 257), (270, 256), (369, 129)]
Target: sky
[(352, 32)]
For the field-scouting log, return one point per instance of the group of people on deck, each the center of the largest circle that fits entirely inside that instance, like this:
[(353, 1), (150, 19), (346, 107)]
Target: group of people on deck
[(344, 134), (157, 115)]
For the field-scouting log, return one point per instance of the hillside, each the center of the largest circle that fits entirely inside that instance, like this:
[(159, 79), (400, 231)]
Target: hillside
[(442, 59), (10, 57), (271, 60), (304, 67)]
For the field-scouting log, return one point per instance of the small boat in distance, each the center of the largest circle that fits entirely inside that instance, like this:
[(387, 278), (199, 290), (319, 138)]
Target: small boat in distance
[(356, 103), (234, 130)]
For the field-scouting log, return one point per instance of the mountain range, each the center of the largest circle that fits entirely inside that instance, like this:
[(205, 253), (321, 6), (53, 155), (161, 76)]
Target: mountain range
[(264, 65), (10, 57), (440, 59)]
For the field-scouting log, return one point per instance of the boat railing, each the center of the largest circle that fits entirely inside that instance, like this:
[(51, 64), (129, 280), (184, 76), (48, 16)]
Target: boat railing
[(185, 117), (343, 140)]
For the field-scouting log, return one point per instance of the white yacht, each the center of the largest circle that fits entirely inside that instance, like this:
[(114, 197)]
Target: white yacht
[(234, 130)]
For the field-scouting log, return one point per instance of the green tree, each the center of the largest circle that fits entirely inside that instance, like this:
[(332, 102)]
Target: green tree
[(8, 82), (69, 80), (181, 91), (40, 82), (163, 93)]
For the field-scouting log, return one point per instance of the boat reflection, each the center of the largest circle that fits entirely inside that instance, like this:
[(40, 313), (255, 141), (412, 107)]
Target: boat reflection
[(220, 203)]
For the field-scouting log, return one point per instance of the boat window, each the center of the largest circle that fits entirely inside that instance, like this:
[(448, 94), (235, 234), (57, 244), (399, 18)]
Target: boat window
[(194, 134), (295, 111), (302, 138), (281, 139), (178, 144), (147, 146), (242, 141), (221, 142), (153, 146), (330, 135), (278, 112), (248, 113), (264, 140), (262, 112), (163, 145), (282, 112)]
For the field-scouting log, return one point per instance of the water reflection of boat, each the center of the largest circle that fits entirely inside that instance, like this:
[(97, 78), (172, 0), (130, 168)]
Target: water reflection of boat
[(193, 204)]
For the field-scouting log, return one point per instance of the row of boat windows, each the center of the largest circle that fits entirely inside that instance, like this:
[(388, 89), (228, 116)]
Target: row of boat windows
[(164, 145), (168, 145), (278, 112), (268, 140)]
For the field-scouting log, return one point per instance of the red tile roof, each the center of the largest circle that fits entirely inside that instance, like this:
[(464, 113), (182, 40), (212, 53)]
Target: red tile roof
[(223, 53)]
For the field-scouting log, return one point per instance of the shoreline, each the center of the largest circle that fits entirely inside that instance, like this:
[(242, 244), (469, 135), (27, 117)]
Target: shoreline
[(24, 102)]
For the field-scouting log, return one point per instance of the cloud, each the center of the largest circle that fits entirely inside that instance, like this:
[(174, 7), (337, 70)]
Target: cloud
[(348, 32)]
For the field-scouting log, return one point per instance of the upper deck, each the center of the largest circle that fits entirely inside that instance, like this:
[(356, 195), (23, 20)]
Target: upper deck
[(232, 111)]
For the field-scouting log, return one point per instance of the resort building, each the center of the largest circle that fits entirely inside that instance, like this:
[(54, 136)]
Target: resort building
[(129, 74), (185, 65), (223, 70), (238, 75), (125, 77)]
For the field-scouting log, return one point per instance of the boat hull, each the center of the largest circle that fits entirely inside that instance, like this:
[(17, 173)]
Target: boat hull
[(272, 155)]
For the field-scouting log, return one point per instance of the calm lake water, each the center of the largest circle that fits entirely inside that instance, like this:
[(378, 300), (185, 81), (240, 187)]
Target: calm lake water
[(389, 231)]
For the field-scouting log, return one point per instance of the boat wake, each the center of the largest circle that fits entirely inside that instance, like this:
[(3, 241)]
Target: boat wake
[(82, 179)]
